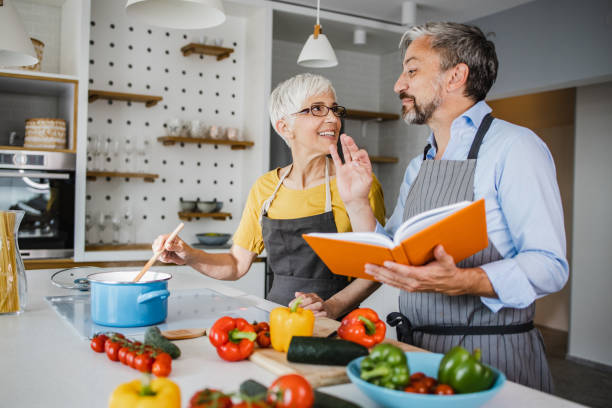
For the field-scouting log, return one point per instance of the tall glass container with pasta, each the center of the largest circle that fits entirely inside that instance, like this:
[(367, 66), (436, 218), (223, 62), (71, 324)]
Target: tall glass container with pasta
[(13, 286)]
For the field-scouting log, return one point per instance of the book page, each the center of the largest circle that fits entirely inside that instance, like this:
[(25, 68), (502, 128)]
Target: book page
[(423, 220), (371, 238)]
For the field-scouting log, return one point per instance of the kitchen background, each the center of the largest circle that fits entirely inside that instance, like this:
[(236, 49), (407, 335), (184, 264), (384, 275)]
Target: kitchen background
[(552, 54)]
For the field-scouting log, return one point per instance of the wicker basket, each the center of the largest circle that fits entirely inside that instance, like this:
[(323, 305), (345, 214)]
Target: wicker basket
[(45, 133), (39, 46)]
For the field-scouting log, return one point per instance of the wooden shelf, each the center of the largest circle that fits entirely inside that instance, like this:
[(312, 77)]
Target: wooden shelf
[(235, 144), (149, 178), (188, 215), (383, 159), (36, 149), (148, 100), (118, 247), (195, 48), (367, 115)]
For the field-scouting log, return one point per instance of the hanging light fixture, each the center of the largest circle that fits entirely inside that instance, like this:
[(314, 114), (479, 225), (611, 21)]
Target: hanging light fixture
[(16, 49), (178, 14), (317, 52)]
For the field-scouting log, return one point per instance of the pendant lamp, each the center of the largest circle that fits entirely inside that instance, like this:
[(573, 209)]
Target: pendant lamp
[(16, 49), (178, 14), (317, 52)]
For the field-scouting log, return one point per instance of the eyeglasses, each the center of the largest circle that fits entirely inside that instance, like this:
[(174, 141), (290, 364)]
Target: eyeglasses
[(322, 110)]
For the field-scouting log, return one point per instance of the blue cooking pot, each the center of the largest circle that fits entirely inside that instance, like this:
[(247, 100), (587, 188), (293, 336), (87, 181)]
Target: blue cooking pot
[(118, 302)]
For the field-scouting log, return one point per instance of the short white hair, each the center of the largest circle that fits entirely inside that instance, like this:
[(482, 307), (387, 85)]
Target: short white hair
[(288, 96)]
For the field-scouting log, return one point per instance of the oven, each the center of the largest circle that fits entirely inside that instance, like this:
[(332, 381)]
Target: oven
[(42, 184)]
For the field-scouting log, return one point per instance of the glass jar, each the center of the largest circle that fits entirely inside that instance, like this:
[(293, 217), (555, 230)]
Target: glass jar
[(13, 285)]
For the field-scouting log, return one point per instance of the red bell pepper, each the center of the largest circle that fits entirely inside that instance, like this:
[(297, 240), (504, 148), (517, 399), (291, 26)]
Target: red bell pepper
[(362, 326), (233, 338)]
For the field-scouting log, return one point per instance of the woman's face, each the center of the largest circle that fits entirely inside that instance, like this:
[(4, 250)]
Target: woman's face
[(315, 133)]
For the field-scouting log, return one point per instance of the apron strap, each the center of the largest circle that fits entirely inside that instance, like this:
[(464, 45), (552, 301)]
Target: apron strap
[(480, 134), (426, 150), (266, 204)]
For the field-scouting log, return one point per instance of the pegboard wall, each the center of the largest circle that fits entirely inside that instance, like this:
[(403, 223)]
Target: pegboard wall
[(132, 57)]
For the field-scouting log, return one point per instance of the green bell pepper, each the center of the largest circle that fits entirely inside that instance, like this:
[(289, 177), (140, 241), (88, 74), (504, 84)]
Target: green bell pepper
[(386, 366), (464, 371)]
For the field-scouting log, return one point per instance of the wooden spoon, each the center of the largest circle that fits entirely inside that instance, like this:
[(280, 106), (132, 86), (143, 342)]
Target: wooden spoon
[(183, 334), (156, 254)]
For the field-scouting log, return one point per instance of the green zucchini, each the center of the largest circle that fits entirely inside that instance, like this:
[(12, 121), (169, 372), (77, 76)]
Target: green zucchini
[(320, 350), (153, 337), (322, 400)]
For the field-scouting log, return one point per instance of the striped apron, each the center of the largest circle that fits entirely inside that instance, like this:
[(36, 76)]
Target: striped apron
[(437, 322)]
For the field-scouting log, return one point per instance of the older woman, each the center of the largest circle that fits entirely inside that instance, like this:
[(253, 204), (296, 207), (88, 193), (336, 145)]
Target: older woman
[(285, 203)]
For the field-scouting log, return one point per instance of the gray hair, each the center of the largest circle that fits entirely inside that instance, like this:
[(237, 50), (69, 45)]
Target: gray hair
[(460, 43), (289, 95)]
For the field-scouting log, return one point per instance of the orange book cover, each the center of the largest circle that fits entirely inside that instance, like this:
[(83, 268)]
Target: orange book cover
[(461, 228)]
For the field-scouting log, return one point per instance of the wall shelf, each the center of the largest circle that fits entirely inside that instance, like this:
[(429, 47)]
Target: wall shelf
[(367, 115), (117, 247), (93, 175), (383, 159), (235, 144), (195, 48), (188, 215), (148, 100)]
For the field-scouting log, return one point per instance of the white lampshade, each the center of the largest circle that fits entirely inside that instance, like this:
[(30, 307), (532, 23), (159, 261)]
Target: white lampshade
[(178, 14), (16, 49), (317, 53)]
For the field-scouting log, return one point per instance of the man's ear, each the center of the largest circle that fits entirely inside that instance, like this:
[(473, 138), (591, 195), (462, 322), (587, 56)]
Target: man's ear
[(457, 78), (284, 129)]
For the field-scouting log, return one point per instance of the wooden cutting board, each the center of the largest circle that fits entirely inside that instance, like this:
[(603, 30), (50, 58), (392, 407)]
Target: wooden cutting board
[(318, 375)]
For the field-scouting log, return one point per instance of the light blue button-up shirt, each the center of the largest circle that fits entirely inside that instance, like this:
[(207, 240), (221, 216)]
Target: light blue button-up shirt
[(515, 174)]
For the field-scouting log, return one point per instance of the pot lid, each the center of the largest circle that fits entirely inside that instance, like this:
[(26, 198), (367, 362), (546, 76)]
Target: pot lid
[(74, 278)]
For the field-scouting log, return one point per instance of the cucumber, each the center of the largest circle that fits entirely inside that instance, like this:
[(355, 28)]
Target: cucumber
[(153, 337), (322, 400), (320, 350)]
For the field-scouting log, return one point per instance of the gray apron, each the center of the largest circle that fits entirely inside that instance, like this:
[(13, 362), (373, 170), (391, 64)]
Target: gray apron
[(294, 265), (438, 322)]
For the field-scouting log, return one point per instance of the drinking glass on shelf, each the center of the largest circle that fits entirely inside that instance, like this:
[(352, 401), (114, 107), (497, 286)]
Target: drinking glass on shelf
[(115, 219), (128, 148), (101, 220), (104, 153), (141, 150), (115, 148), (128, 218), (89, 223), (96, 150)]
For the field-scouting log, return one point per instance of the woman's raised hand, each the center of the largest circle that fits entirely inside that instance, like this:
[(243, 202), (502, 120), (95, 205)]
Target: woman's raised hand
[(174, 251), (354, 177)]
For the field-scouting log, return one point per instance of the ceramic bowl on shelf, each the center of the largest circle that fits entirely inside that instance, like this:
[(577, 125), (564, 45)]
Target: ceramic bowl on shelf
[(206, 206), (188, 205), (427, 363), (213, 238)]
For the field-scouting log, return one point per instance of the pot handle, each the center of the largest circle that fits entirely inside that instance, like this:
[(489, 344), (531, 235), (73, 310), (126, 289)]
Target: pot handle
[(145, 297)]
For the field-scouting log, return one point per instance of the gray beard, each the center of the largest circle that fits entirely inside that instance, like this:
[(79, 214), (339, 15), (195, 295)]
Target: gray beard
[(420, 115)]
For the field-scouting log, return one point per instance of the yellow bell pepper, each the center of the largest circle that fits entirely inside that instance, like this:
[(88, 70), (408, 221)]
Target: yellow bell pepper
[(286, 322), (159, 393)]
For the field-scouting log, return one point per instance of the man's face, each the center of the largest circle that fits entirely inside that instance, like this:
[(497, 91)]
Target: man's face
[(420, 84)]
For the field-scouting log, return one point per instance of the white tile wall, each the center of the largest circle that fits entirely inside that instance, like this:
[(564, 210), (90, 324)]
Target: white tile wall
[(43, 23)]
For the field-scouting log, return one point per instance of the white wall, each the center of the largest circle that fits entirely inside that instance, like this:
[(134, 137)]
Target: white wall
[(591, 303)]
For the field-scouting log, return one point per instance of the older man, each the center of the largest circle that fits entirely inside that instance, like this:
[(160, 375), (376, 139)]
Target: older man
[(487, 300)]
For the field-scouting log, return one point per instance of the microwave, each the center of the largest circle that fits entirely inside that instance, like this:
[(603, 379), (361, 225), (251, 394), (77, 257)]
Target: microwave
[(42, 185)]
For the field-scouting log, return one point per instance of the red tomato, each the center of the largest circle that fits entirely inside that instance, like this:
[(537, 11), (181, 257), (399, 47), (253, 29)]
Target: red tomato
[(430, 383), (143, 363), (417, 376), (443, 389), (263, 339), (253, 404), (161, 368), (122, 353), (410, 388), (97, 343), (208, 398), (290, 391), (163, 357), (420, 387), (261, 326), (130, 357), (112, 349)]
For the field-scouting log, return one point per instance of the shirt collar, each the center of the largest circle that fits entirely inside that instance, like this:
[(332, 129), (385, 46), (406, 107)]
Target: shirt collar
[(472, 117)]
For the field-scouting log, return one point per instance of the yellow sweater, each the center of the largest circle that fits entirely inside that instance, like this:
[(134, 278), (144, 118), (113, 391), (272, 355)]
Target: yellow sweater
[(290, 204)]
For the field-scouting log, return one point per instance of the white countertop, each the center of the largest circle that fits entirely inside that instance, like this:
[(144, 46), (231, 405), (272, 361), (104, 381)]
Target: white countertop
[(45, 363)]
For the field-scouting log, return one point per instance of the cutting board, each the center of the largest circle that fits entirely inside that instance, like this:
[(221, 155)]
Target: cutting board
[(317, 375)]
